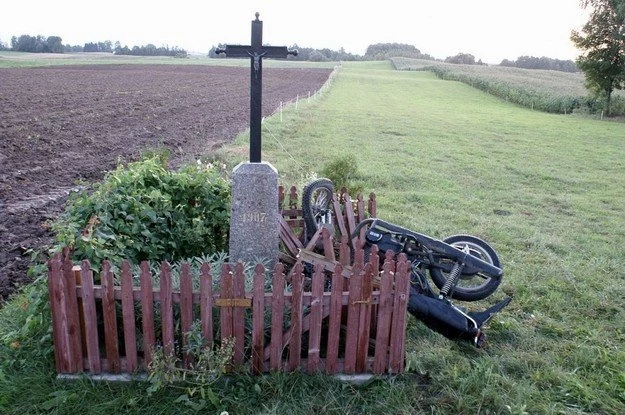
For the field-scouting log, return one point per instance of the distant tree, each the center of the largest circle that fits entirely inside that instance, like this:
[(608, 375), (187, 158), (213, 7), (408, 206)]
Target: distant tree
[(602, 41), (531, 62), (37, 44), (150, 50), (106, 46), (54, 44), (90, 47), (72, 48), (382, 51), (317, 56), (3, 46), (461, 58)]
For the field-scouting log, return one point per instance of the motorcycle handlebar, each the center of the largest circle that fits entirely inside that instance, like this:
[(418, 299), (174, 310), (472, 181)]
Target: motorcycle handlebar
[(434, 244)]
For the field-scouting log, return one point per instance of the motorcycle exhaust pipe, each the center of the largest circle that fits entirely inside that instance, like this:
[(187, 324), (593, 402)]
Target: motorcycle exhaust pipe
[(450, 321)]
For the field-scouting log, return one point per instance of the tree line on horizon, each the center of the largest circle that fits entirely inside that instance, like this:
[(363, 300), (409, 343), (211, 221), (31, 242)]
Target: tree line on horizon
[(378, 51), (54, 44)]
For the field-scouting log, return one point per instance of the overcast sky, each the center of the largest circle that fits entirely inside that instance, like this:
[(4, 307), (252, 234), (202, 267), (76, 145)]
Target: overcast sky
[(491, 30)]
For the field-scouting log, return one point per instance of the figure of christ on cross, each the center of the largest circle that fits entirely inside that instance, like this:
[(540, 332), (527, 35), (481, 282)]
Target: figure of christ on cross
[(256, 52)]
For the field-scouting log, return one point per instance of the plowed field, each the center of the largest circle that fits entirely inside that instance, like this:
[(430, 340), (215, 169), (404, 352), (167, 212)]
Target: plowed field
[(63, 126)]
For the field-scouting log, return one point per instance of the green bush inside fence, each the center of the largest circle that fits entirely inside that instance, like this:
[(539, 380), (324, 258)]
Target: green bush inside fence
[(144, 211)]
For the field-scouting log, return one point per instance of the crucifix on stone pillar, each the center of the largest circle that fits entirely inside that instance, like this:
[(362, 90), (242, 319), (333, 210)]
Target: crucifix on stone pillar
[(256, 52), (254, 216)]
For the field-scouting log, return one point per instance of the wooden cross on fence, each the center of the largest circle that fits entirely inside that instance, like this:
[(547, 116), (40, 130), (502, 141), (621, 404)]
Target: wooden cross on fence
[(256, 52)]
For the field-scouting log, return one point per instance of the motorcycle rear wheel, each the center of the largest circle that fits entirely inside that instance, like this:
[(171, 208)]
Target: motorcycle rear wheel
[(316, 205), (471, 286)]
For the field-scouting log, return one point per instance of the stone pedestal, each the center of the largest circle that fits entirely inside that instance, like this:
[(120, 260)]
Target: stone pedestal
[(254, 224)]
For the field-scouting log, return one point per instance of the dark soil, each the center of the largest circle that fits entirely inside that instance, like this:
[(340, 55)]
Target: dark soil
[(64, 127)]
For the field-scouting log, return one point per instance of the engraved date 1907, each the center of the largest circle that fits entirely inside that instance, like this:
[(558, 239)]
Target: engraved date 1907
[(259, 217)]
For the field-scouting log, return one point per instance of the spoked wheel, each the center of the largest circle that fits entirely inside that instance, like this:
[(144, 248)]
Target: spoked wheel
[(317, 205), (472, 285)]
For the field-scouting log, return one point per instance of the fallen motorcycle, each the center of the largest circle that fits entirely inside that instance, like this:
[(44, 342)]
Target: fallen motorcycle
[(463, 267)]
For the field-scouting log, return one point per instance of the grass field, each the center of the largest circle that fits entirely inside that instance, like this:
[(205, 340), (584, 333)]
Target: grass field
[(443, 158)]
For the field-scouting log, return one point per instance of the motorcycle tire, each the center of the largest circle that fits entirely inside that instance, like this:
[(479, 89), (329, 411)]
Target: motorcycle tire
[(317, 205), (467, 288)]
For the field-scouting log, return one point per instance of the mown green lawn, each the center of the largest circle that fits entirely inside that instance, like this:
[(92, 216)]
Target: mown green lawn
[(545, 190)]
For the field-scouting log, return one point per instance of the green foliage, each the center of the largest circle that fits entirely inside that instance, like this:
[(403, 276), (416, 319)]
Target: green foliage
[(461, 59), (343, 172), (382, 51), (603, 42), (150, 50), (106, 46), (143, 211), (207, 367), (37, 44), (532, 62)]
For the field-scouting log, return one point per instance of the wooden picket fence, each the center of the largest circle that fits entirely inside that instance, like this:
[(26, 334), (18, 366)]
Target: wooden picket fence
[(358, 326), (114, 328)]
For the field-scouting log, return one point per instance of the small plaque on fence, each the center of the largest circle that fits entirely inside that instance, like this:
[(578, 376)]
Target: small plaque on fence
[(234, 302)]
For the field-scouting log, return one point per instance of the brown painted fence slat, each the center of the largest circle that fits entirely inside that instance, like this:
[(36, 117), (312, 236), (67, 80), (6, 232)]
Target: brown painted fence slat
[(258, 320), (338, 215), (225, 292), (110, 318), (296, 318), (385, 312), (372, 206), (293, 197), (316, 310), (72, 316), (349, 214), (398, 329), (334, 323), (280, 197), (186, 309), (91, 319), (362, 350), (238, 322), (59, 330), (128, 318), (353, 317), (277, 318), (360, 208), (167, 310), (147, 312), (206, 303)]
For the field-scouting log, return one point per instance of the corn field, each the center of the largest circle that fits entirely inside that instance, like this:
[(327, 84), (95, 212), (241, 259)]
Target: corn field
[(542, 90)]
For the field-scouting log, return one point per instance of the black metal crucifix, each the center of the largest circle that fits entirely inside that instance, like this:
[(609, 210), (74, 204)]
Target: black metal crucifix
[(256, 52)]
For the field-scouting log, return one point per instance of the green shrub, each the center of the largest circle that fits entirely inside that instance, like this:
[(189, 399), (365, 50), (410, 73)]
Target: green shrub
[(145, 212), (342, 171)]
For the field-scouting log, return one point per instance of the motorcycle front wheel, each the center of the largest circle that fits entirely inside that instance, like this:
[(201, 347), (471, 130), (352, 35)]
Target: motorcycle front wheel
[(317, 205), (472, 286)]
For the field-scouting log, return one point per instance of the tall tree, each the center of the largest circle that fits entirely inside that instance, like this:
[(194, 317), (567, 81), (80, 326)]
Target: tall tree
[(54, 44), (602, 41)]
